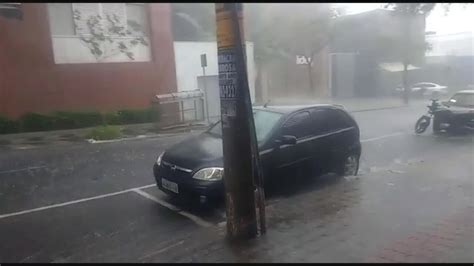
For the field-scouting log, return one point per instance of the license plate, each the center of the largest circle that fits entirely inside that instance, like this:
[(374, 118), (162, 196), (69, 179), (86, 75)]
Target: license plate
[(171, 186)]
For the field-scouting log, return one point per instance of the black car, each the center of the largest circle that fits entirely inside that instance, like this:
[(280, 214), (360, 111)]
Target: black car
[(324, 137), (458, 116)]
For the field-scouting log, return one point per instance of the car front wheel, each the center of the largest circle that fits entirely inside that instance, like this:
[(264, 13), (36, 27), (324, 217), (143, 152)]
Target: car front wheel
[(350, 165)]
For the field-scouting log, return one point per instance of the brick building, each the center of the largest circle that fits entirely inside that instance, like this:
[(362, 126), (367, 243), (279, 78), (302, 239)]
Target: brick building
[(44, 65)]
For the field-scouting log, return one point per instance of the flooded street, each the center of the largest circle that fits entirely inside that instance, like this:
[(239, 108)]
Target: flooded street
[(236, 132), (412, 201)]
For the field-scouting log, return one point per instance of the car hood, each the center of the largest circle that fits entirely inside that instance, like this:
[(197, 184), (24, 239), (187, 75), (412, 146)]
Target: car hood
[(196, 152)]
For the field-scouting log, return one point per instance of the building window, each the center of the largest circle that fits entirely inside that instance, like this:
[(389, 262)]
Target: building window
[(136, 13), (72, 25), (62, 21)]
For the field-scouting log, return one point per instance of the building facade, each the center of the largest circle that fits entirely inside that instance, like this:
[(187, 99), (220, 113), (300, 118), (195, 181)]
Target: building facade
[(56, 58), (362, 43)]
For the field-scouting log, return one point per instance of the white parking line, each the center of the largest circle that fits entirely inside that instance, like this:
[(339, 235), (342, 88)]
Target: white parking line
[(72, 202), (193, 217), (22, 169), (383, 137), (162, 250), (137, 190)]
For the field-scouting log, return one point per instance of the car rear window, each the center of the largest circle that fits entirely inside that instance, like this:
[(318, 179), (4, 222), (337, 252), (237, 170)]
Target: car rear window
[(463, 99), (298, 125)]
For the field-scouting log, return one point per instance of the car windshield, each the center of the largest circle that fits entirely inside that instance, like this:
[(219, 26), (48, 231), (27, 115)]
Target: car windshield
[(264, 122), (462, 99)]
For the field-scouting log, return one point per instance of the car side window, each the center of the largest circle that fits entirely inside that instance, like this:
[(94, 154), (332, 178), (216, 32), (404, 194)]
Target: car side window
[(320, 122), (339, 120), (298, 125), (328, 120)]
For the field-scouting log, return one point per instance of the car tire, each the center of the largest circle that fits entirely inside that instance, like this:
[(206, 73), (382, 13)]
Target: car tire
[(349, 166)]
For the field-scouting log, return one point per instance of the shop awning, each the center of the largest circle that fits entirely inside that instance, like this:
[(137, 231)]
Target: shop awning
[(396, 67)]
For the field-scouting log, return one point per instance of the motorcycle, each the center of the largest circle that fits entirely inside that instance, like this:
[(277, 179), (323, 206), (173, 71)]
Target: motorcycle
[(424, 121)]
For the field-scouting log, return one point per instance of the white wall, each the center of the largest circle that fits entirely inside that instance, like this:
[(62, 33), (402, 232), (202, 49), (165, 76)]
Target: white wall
[(460, 44), (70, 50), (188, 64)]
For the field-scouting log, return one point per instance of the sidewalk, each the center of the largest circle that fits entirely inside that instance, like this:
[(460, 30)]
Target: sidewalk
[(377, 217), (352, 104), (65, 137)]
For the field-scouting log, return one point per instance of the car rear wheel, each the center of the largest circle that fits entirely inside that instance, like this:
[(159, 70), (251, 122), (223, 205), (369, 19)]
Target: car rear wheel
[(350, 165)]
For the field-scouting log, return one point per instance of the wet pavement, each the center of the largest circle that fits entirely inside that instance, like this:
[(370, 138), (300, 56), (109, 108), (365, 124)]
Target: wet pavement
[(411, 202)]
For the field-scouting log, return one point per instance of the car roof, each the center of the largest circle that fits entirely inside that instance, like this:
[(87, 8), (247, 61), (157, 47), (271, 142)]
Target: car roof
[(287, 109), (465, 92)]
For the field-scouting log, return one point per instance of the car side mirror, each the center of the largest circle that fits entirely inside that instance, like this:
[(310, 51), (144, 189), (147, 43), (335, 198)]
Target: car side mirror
[(286, 140)]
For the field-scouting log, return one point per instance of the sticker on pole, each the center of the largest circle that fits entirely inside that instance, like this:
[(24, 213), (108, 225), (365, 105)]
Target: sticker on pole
[(227, 74), (224, 25), (225, 34)]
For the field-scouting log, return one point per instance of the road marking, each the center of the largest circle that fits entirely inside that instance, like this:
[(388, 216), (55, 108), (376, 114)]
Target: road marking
[(193, 217), (383, 137), (22, 169), (162, 250), (155, 199), (72, 202), (137, 190)]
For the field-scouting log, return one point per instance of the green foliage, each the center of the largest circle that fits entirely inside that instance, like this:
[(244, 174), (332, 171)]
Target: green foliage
[(411, 9), (8, 126), (131, 116), (112, 118), (36, 122), (104, 133), (194, 21), (67, 120), (409, 46), (274, 28)]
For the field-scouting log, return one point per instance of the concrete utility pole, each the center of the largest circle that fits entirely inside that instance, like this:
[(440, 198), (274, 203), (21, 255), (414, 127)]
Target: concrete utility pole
[(241, 160)]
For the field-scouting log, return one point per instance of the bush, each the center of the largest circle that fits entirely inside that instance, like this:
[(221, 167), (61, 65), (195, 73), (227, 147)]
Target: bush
[(135, 116), (70, 120), (112, 118), (105, 133), (67, 120), (36, 122), (8, 126)]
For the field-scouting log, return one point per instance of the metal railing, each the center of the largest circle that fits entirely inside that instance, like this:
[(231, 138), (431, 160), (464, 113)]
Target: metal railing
[(180, 107)]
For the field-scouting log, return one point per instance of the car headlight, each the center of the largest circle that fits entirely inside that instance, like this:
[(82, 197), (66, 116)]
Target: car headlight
[(158, 160), (210, 174)]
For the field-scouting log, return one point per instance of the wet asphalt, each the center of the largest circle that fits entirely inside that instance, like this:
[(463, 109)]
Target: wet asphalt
[(406, 183)]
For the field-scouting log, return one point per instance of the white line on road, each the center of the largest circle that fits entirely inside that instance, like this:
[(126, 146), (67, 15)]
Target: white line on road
[(162, 250), (22, 169), (138, 191), (72, 202), (193, 217), (383, 137)]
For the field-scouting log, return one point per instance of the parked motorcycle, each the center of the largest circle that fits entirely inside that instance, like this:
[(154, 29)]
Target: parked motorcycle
[(424, 121)]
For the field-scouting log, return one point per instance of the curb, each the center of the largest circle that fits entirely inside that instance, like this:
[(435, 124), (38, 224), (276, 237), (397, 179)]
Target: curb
[(164, 135), (92, 141), (381, 108)]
